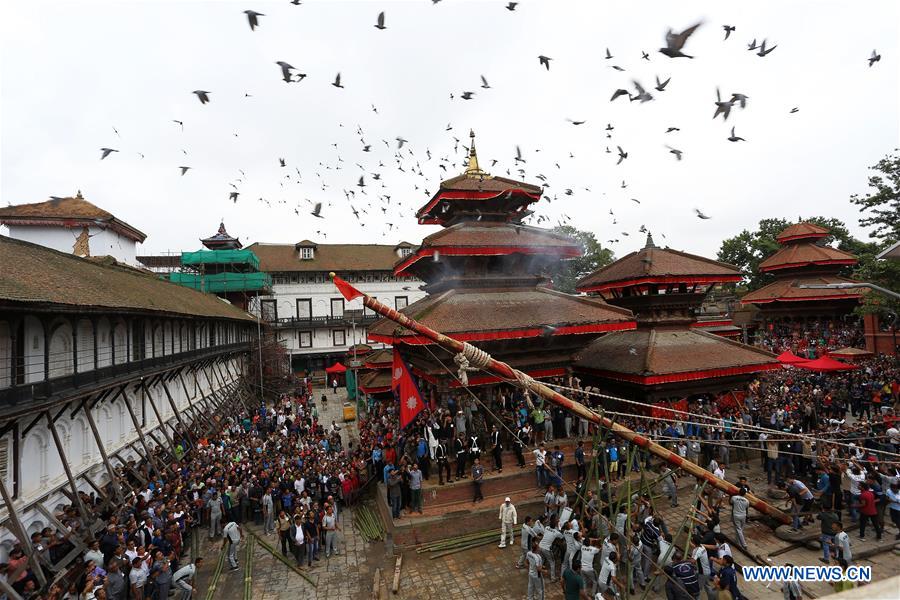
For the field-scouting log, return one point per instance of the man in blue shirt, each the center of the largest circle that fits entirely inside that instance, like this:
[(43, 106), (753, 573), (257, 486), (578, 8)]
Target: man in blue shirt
[(727, 578)]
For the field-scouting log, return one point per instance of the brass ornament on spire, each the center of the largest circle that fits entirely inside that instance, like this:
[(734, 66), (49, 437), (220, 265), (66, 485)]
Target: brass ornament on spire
[(473, 170)]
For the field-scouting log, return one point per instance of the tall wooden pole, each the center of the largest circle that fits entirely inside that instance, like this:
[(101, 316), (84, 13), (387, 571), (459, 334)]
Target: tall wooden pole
[(159, 420), (140, 432), (76, 498), (503, 370), (22, 534), (110, 471)]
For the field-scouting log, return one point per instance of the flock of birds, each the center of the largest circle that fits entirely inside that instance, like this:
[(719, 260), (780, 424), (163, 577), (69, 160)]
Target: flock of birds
[(401, 156)]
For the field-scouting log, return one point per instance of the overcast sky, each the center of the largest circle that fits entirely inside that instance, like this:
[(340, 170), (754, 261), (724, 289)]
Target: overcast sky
[(72, 71)]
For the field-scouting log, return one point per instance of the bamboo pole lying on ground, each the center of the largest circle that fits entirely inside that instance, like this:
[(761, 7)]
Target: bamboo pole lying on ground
[(503, 370)]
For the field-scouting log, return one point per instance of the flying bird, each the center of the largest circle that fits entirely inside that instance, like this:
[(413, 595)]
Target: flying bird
[(763, 51), (622, 155), (608, 54), (484, 83), (106, 152), (671, 129), (701, 215), (285, 70), (661, 85), (233, 196), (317, 210), (752, 45), (252, 18), (642, 94), (184, 170), (512, 6), (576, 122), (728, 30), (635, 200), (180, 124), (675, 151), (619, 92), (337, 81), (380, 23), (874, 58), (281, 162), (676, 41), (545, 60), (795, 109), (467, 95), (519, 155), (722, 108), (741, 99), (734, 138), (617, 68), (202, 96), (400, 142)]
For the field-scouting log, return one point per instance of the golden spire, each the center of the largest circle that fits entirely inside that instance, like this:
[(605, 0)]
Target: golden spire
[(473, 170)]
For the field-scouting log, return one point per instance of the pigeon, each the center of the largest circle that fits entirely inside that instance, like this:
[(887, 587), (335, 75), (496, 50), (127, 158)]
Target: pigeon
[(763, 51), (233, 196), (676, 41), (252, 18), (367, 148), (740, 99), (701, 215), (317, 210), (180, 124), (622, 155), (281, 162), (184, 170), (675, 151), (467, 95), (722, 108), (642, 94), (202, 96), (380, 23), (512, 6), (661, 85), (484, 83), (106, 152), (608, 54), (624, 185), (795, 109), (400, 142), (671, 129), (117, 132), (728, 29), (519, 155), (752, 45), (337, 81), (285, 70), (734, 138), (300, 76), (619, 92), (576, 122), (617, 68), (635, 200), (361, 182), (874, 58), (644, 55), (545, 60)]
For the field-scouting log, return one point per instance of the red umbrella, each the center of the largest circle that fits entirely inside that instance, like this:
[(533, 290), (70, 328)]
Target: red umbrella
[(336, 368), (825, 364), (789, 358)]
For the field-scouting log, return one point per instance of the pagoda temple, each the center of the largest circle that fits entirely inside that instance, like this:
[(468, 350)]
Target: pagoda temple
[(484, 272), (804, 259), (668, 356)]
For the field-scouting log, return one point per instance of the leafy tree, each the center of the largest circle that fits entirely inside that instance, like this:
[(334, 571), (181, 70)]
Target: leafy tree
[(749, 248), (566, 273), (882, 208)]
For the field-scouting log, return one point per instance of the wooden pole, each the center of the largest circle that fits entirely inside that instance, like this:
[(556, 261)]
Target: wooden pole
[(20, 532), (140, 432), (159, 420), (76, 498), (113, 477), (503, 370)]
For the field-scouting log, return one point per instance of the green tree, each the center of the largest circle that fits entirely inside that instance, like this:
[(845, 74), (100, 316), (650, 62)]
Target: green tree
[(749, 248), (566, 273), (882, 208)]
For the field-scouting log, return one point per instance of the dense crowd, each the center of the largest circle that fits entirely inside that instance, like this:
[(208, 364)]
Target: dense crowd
[(810, 339)]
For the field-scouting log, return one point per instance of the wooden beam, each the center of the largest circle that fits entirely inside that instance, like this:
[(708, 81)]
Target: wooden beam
[(185, 430), (65, 463), (21, 534), (30, 426), (113, 477), (140, 477), (159, 420), (140, 431)]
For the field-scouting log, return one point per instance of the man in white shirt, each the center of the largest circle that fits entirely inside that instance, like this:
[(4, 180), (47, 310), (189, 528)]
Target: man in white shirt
[(550, 536), (508, 520), (528, 535), (183, 579), (232, 537), (739, 507), (540, 458), (535, 578), (606, 580), (610, 545)]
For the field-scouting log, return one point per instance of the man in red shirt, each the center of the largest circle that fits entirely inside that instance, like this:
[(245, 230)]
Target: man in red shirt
[(868, 511)]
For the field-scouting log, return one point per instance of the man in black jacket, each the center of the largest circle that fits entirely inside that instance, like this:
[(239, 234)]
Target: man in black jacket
[(440, 454), (459, 448), (496, 449)]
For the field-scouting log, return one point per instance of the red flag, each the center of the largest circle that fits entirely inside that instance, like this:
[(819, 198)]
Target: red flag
[(347, 291), (407, 392)]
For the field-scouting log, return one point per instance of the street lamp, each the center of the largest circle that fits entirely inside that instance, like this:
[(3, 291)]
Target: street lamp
[(848, 286)]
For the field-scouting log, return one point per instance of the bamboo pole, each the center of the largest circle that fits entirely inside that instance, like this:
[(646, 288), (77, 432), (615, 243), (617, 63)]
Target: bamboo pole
[(501, 369)]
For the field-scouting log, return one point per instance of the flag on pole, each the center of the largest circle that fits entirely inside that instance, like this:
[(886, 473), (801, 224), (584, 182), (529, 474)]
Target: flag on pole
[(347, 291), (405, 389)]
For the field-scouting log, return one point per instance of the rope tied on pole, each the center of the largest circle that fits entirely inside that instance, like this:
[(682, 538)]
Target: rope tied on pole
[(470, 359)]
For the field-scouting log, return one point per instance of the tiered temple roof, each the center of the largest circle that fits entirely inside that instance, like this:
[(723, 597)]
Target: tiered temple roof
[(67, 212), (221, 240)]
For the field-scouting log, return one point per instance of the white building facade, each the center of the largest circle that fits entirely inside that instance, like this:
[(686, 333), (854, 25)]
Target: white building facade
[(308, 313)]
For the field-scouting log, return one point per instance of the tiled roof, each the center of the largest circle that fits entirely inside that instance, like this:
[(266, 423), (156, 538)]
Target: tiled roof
[(788, 290), (648, 352), (650, 261), (801, 230), (65, 209), (492, 233), (160, 261), (35, 274), (380, 357), (326, 257), (797, 255), (487, 184), (375, 380), (477, 310), (892, 253)]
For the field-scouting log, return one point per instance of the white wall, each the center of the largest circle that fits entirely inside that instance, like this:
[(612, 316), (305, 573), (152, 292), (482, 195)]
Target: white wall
[(103, 241)]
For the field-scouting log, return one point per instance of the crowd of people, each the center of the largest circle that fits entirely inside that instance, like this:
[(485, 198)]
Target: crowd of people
[(810, 339)]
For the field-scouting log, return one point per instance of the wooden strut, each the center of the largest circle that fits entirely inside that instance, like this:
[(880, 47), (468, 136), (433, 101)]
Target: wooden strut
[(503, 370), (110, 471), (137, 427), (22, 535), (162, 424), (76, 498)]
